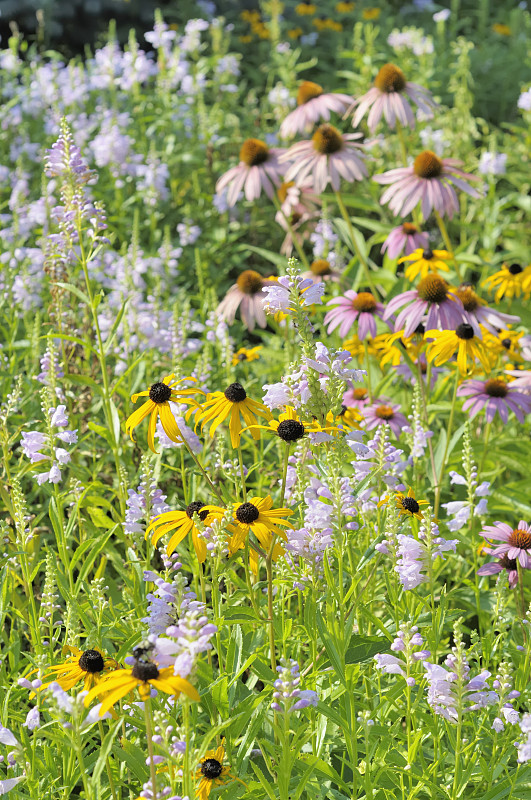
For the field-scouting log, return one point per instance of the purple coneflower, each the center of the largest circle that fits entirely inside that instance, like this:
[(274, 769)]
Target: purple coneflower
[(246, 294), (388, 97), (321, 270), (496, 396), (522, 379), (434, 297), (325, 158), (515, 541), (312, 105), (480, 314), (405, 238), (383, 412), (348, 308), (503, 563), (430, 181), (259, 168), (356, 398), (299, 207)]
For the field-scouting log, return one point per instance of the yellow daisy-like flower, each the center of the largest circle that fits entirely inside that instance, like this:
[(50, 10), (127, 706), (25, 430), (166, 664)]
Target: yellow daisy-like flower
[(371, 13), (387, 348), (290, 428), (233, 401), (348, 417), (246, 354), (256, 515), (425, 261), (503, 30), (504, 343), (510, 281), (182, 523), (356, 348), (211, 772), (407, 504), (462, 341), (327, 24), (83, 665), (158, 406), (144, 675), (305, 9), (345, 7), (294, 33), (249, 16)]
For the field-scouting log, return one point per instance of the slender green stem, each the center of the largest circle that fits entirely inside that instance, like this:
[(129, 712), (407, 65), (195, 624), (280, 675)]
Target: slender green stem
[(447, 242), (368, 364), (357, 251), (205, 476), (448, 436), (187, 776), (284, 474), (107, 764), (486, 438), (149, 735), (242, 473), (271, 613)]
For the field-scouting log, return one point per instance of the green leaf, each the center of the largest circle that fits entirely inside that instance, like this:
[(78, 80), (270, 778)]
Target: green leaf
[(331, 650), (104, 749), (100, 518), (74, 290), (112, 333), (363, 648)]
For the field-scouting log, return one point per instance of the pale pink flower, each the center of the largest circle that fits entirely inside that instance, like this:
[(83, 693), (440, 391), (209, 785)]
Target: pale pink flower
[(352, 306), (389, 97), (405, 239), (432, 297), (259, 169), (383, 412), (515, 541), (429, 181), (313, 105), (325, 158), (246, 295), (300, 207), (495, 395)]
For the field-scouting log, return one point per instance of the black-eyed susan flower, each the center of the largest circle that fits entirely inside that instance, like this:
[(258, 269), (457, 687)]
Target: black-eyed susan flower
[(463, 341), (423, 261), (290, 428), (143, 675), (348, 417), (390, 348), (295, 33), (407, 504), (502, 29), (234, 402), (258, 516), (345, 7), (512, 280), (246, 354), (504, 343), (158, 406), (211, 772), (182, 522), (305, 9), (88, 666), (371, 13)]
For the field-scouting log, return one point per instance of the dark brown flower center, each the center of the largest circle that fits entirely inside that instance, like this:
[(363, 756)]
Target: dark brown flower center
[(427, 255), (506, 343), (464, 331), (427, 165), (515, 269), (520, 538), (250, 282), (469, 298), (282, 190), (364, 301), (159, 392), (307, 91), (409, 229), (321, 267), (91, 661), (145, 671), (247, 513), (235, 393), (211, 769), (254, 152), (195, 508), (390, 78), (433, 289), (384, 412), (508, 563), (410, 504), (496, 388), (360, 394), (290, 430), (327, 140)]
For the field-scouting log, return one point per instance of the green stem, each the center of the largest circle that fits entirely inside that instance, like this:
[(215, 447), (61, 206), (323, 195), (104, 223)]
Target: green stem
[(107, 765), (447, 242), (271, 614), (152, 768), (448, 435), (242, 473), (284, 475), (488, 427), (367, 362), (361, 257), (187, 776)]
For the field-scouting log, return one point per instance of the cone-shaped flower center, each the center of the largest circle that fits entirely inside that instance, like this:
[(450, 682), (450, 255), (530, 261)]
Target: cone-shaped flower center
[(427, 165), (427, 255), (327, 140), (390, 79), (469, 298), (508, 563), (521, 539), (464, 331), (307, 91), (282, 190), (250, 282), (384, 412), (433, 289), (145, 671), (321, 267), (364, 301), (506, 343), (515, 269), (254, 152), (159, 392), (195, 508), (409, 229), (211, 768), (360, 394), (410, 504), (247, 513), (290, 430), (496, 388), (91, 661), (235, 393)]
